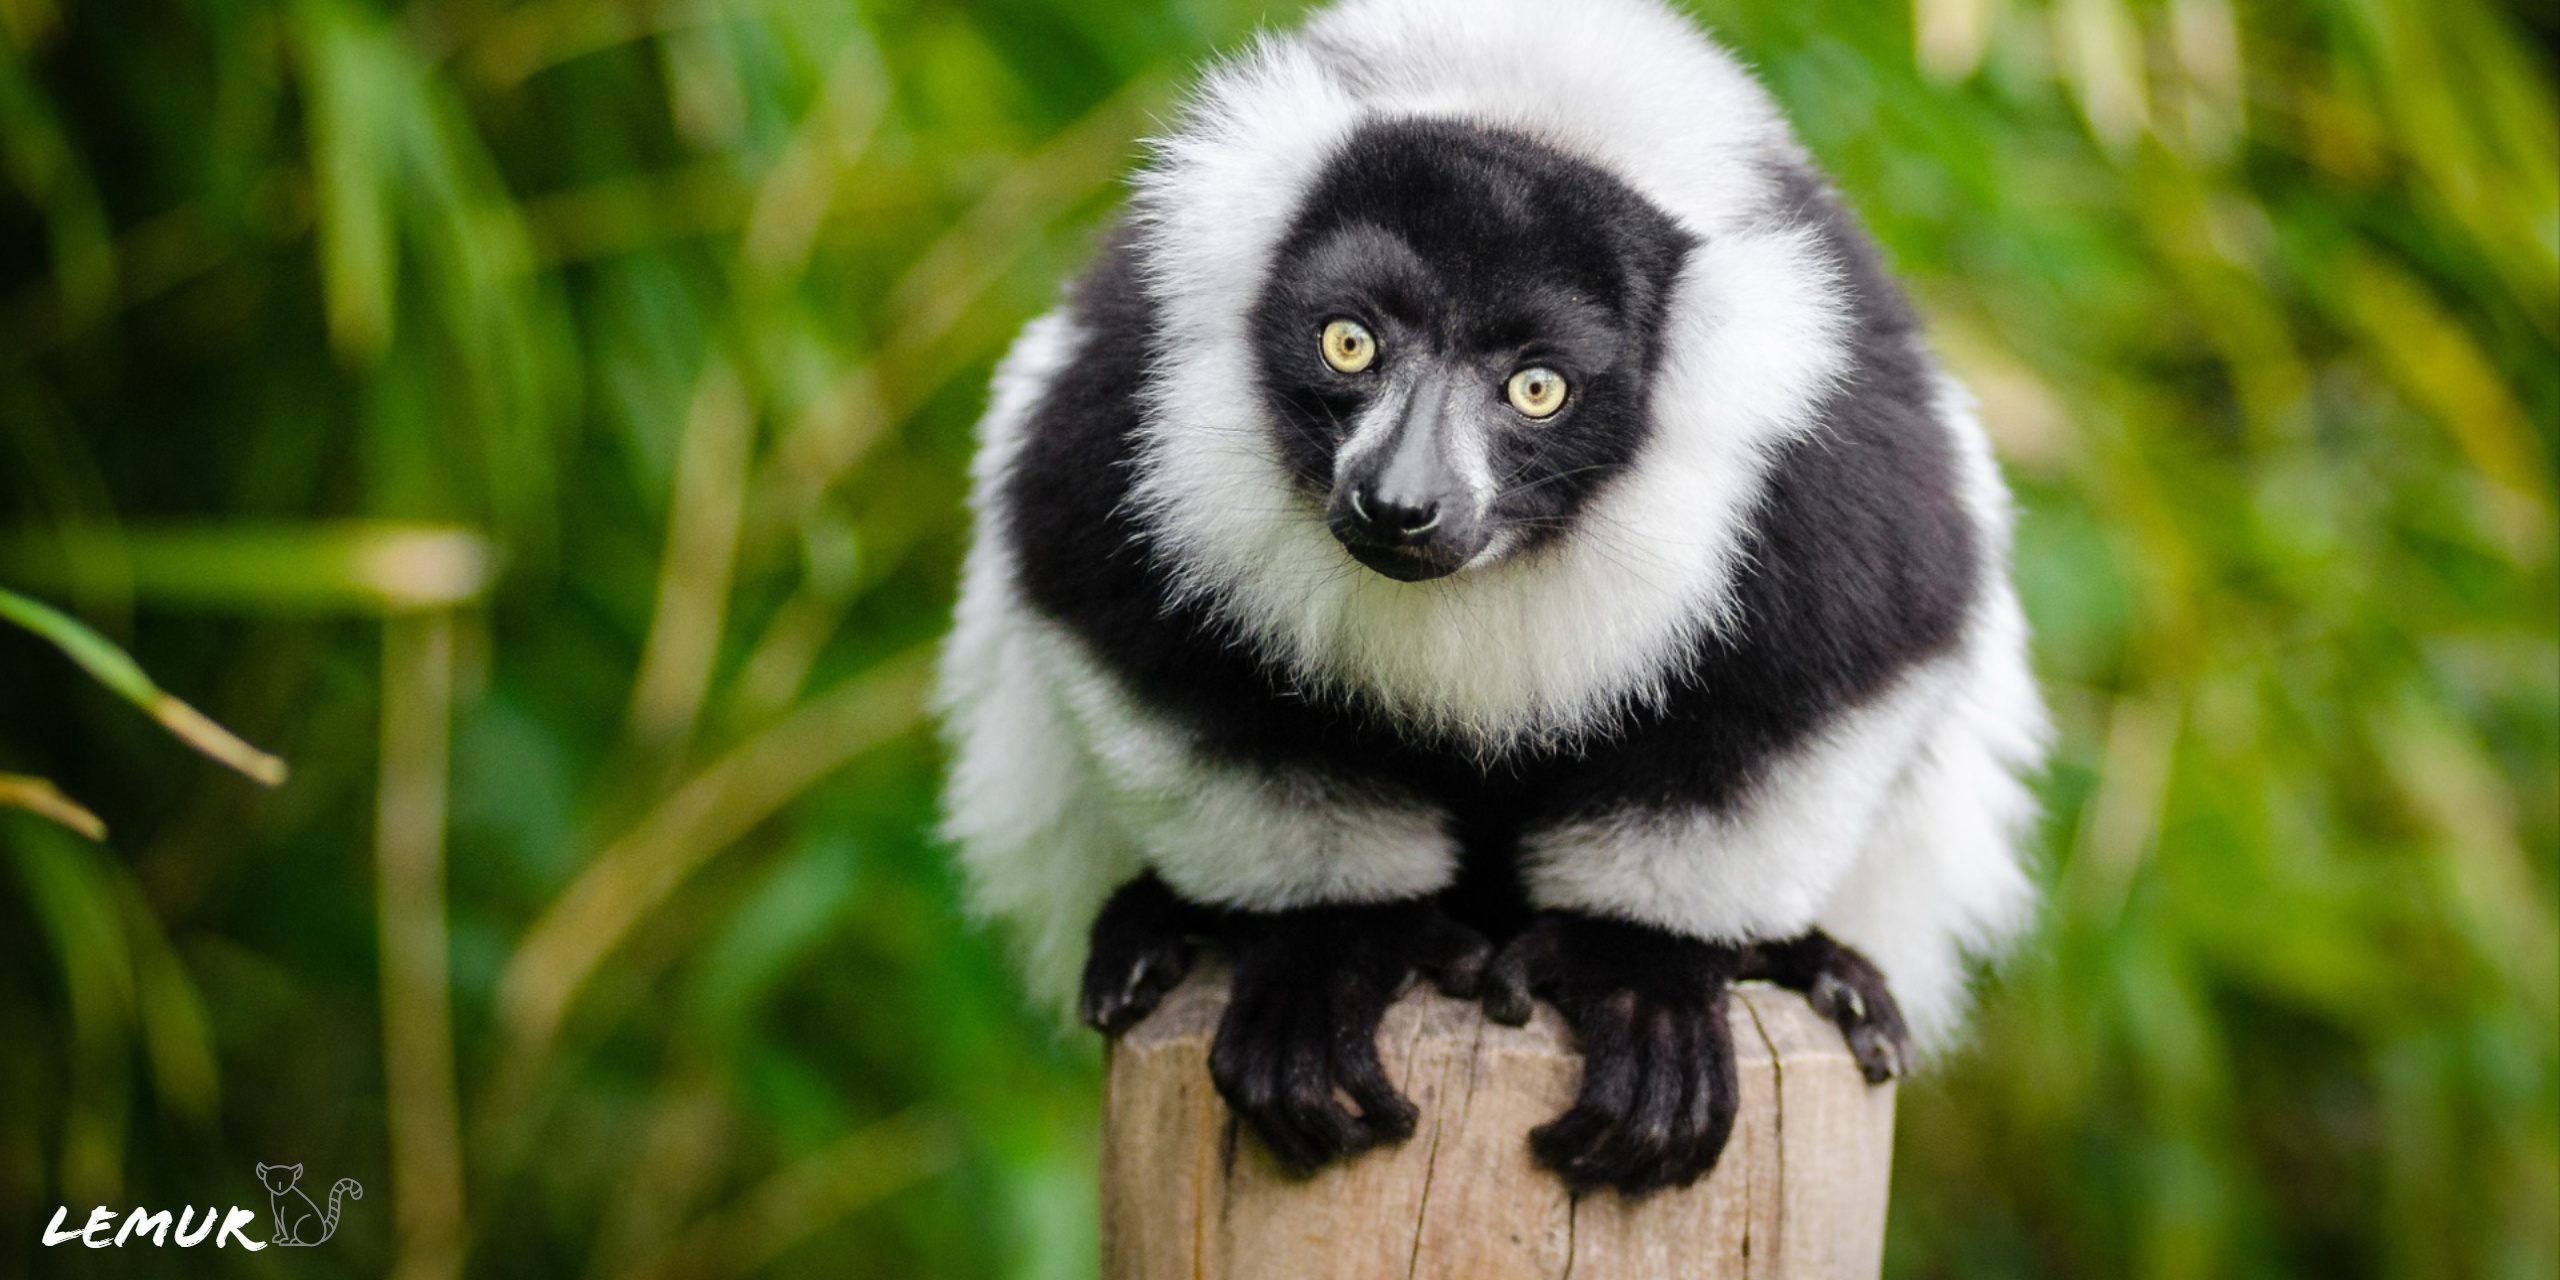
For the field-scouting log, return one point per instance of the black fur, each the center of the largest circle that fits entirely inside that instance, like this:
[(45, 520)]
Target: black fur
[(1861, 564)]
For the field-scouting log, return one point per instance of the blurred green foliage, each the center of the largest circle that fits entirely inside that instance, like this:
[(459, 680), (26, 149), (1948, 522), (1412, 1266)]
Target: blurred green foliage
[(614, 360)]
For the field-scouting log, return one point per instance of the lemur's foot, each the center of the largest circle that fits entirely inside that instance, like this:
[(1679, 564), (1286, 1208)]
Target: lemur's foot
[(1648, 1010), (1302, 1021), (1141, 951), (1847, 988)]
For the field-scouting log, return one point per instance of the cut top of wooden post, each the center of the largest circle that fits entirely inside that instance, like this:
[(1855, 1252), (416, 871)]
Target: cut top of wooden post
[(1798, 1195)]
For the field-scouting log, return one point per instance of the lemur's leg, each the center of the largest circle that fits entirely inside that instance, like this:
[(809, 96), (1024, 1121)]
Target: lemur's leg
[(1302, 1022), (1648, 1011), (1142, 949), (1848, 989)]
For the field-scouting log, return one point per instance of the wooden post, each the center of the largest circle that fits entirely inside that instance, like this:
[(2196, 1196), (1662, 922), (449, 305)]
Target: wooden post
[(1799, 1194)]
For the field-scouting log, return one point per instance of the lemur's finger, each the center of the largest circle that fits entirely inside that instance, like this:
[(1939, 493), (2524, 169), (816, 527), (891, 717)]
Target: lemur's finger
[(1661, 1139), (1094, 1010), (1247, 1075), (1524, 967), (1564, 1143), (1879, 1058), (1640, 1152), (1851, 991), (1101, 1004), (1256, 1089), (1140, 951), (1119, 992), (1234, 1067), (1714, 1092), (1455, 957), (1388, 1114), (1607, 1092), (1505, 990), (1308, 1103), (1697, 1143)]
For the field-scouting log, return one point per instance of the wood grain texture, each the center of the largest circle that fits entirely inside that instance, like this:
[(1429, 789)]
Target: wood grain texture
[(1187, 1195)]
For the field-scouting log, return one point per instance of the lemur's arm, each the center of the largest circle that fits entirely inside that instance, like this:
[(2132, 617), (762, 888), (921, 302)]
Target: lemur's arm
[(1659, 888), (1324, 899)]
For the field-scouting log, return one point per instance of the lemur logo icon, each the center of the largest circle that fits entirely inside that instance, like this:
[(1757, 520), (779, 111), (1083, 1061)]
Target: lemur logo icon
[(298, 1221)]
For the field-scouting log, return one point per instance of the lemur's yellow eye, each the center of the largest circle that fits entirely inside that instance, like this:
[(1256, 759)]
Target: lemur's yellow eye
[(1537, 391), (1348, 347)]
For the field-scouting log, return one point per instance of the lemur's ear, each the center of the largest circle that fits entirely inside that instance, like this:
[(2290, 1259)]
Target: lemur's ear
[(262, 1168), (297, 1169)]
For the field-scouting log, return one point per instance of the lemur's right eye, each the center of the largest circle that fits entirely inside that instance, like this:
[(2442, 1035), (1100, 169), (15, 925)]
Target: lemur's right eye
[(1348, 347), (1537, 392)]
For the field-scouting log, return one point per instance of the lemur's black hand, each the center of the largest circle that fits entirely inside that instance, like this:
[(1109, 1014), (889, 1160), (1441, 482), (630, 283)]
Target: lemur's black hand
[(1141, 950), (1302, 1022), (1845, 987), (1648, 1010)]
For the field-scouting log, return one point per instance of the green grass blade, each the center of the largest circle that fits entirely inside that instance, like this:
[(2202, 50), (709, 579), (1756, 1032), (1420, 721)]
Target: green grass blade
[(357, 566), (40, 797), (125, 678)]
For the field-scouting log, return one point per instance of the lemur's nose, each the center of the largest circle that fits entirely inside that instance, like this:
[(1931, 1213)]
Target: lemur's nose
[(1395, 516)]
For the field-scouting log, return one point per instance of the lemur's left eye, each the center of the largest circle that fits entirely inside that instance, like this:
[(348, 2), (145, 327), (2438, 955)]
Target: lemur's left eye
[(1348, 347), (1536, 392)]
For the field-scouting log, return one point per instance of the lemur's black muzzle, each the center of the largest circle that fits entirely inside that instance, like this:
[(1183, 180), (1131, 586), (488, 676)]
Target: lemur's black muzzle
[(1403, 507)]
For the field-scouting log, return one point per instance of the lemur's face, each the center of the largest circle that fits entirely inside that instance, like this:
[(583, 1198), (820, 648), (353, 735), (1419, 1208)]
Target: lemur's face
[(1456, 339)]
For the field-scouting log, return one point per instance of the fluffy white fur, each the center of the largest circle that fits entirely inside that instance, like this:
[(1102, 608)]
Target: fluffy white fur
[(1896, 829), (1025, 803), (1764, 869), (1938, 876)]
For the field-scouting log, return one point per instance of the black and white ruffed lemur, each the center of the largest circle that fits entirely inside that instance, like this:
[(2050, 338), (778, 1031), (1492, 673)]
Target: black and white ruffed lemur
[(1486, 515)]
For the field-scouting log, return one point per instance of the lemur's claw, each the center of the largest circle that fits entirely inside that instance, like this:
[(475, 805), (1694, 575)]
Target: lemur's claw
[(1847, 988), (1648, 1010), (1141, 952), (1869, 1020), (1114, 1008)]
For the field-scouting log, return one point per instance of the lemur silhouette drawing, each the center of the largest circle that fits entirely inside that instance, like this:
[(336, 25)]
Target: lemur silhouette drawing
[(294, 1211)]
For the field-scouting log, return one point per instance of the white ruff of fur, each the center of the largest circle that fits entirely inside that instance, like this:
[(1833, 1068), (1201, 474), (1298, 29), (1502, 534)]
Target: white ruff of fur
[(1939, 880), (1546, 646), (1025, 805)]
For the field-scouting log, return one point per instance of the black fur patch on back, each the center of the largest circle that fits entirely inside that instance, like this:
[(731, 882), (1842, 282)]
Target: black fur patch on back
[(1862, 564)]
